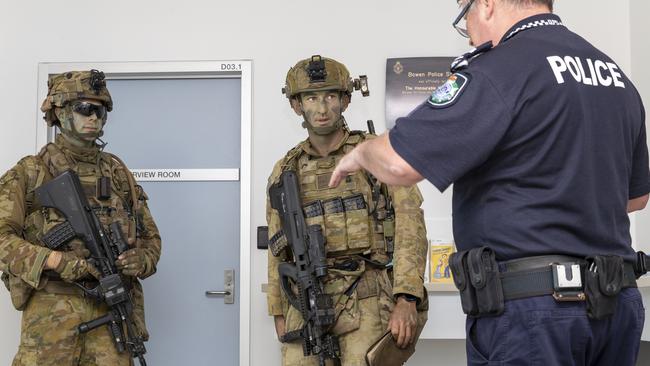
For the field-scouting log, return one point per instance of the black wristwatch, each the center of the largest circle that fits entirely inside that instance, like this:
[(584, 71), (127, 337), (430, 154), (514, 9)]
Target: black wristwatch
[(408, 297)]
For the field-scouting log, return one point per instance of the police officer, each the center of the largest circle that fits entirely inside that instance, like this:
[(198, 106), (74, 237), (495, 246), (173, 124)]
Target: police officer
[(544, 139), (375, 235), (40, 279)]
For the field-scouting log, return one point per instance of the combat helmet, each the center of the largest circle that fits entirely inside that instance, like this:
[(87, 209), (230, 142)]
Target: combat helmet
[(69, 86), (321, 73)]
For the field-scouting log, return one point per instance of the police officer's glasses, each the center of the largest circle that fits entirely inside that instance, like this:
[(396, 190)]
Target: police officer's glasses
[(461, 20), (87, 109)]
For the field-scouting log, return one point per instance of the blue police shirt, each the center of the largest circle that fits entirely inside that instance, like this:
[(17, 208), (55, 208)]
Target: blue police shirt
[(544, 139)]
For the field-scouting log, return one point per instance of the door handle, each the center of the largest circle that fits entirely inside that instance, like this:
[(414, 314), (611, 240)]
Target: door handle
[(217, 293), (229, 287)]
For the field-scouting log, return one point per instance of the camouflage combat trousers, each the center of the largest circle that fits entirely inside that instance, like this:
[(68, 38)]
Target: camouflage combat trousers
[(49, 336), (354, 345)]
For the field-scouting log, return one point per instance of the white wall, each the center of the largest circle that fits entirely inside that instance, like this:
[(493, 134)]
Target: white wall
[(641, 76), (640, 53), (275, 34)]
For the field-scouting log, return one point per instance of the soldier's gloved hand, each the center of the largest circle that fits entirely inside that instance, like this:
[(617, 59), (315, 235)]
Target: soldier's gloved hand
[(132, 262), (72, 268), (79, 249)]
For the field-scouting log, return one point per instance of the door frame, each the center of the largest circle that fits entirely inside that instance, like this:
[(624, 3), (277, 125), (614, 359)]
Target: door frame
[(241, 69)]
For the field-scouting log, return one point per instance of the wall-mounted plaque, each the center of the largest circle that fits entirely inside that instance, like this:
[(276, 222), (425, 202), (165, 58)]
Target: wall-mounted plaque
[(410, 81)]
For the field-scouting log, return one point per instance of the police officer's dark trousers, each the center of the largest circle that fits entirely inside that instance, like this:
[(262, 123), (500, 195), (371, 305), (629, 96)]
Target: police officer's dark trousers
[(541, 331)]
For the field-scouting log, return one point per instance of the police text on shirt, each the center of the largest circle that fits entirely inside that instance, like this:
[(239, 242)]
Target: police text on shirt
[(588, 72)]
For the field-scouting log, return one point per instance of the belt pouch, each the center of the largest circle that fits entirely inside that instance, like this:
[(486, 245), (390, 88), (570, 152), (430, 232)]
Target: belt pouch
[(603, 282), (458, 264), (484, 276)]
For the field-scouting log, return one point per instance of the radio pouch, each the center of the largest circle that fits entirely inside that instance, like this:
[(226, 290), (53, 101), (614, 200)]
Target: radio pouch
[(603, 282), (484, 276), (458, 264)]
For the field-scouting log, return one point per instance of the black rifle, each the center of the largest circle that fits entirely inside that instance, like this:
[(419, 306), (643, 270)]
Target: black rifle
[(65, 194), (308, 247)]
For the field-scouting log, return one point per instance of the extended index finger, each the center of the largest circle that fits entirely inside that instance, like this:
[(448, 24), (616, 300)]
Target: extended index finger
[(336, 178)]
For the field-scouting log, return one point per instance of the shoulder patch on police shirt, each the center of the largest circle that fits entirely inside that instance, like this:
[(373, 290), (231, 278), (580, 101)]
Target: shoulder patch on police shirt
[(447, 94)]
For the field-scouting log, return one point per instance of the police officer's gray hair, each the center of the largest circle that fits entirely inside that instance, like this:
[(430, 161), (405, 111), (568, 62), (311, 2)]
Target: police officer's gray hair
[(548, 3)]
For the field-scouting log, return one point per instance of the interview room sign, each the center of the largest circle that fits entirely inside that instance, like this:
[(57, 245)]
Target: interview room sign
[(185, 175)]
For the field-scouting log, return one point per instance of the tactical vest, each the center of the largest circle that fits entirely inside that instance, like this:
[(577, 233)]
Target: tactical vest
[(356, 216), (119, 206), (50, 162), (124, 205)]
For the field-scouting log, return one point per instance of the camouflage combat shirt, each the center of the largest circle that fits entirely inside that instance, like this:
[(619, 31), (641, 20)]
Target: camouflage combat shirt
[(410, 244), (22, 255)]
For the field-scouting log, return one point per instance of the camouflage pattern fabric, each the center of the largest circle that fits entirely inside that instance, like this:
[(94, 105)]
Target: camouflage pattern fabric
[(354, 345), (73, 268), (370, 325), (337, 77), (49, 334), (23, 223), (69, 86), (363, 316)]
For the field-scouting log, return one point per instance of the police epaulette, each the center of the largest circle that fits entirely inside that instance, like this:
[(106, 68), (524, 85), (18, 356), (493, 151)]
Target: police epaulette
[(463, 61)]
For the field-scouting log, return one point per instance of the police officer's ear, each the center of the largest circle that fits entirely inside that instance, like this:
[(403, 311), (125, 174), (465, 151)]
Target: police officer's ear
[(345, 102), (487, 7), (296, 105)]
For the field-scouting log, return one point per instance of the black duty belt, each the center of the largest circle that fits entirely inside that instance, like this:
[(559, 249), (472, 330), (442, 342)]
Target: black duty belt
[(537, 276)]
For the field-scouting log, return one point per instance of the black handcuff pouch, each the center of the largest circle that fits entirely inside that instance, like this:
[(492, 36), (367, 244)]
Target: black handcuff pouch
[(603, 282), (484, 275), (476, 275)]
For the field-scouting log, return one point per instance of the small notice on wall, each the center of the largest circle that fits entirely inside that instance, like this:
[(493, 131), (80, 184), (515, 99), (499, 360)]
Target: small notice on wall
[(439, 252), (410, 81)]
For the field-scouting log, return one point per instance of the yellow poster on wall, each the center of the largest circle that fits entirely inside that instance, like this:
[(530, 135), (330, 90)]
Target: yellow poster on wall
[(440, 272)]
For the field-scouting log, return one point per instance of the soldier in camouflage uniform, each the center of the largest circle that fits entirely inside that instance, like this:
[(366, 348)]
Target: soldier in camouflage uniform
[(39, 278), (375, 233)]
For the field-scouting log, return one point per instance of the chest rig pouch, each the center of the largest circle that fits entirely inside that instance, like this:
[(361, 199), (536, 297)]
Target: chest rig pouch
[(356, 216), (341, 211), (476, 275)]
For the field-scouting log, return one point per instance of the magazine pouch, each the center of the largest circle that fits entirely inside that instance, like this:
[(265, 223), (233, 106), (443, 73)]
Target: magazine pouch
[(603, 282), (484, 276), (458, 264)]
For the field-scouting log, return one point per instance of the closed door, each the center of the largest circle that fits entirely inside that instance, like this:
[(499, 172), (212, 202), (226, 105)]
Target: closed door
[(182, 139)]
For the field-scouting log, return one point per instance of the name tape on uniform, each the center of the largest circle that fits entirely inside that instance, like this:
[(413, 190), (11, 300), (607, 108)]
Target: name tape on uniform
[(588, 72), (185, 175)]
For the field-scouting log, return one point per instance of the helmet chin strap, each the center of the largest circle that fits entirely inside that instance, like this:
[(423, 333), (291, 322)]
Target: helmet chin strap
[(324, 130)]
